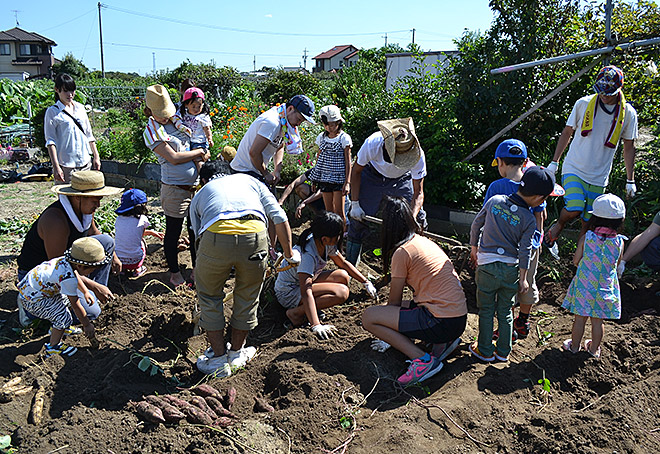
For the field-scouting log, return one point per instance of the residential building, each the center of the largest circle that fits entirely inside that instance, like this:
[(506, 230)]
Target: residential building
[(336, 58), (25, 54), (398, 65)]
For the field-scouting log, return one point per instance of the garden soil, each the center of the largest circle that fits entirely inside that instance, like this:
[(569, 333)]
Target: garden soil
[(337, 395)]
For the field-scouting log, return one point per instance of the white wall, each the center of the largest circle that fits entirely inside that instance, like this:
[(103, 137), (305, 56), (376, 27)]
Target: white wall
[(398, 65)]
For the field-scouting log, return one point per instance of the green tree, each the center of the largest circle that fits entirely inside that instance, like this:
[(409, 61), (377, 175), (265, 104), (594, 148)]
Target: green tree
[(216, 83), (280, 86), (71, 66)]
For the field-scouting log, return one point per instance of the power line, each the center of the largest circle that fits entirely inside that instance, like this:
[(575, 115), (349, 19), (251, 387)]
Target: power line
[(201, 51), (71, 20), (239, 30)]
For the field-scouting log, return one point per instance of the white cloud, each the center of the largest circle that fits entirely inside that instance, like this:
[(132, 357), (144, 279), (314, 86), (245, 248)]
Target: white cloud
[(268, 15)]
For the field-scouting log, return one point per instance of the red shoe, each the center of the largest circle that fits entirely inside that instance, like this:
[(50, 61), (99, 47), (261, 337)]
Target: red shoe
[(520, 328)]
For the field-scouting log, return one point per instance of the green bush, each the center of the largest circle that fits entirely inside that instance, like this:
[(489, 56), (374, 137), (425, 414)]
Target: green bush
[(280, 86), (216, 83)]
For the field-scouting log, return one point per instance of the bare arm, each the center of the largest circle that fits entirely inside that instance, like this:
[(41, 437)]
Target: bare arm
[(562, 143), (396, 291), (165, 151), (642, 240), (58, 175), (283, 232), (307, 298), (629, 158), (579, 251), (418, 196), (356, 178), (342, 263), (209, 135), (258, 146), (96, 160), (82, 316), (277, 164), (347, 162), (289, 189)]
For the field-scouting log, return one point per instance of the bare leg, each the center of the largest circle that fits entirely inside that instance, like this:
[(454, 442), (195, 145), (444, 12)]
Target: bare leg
[(238, 337), (578, 331), (338, 199), (526, 308), (383, 322), (328, 201), (329, 289), (564, 217), (56, 336), (217, 341), (597, 330)]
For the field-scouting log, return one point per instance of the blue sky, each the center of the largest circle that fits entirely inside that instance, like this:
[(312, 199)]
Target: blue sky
[(236, 32)]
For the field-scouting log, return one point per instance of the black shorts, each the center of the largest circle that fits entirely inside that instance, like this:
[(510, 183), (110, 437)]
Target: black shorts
[(329, 187), (418, 323)]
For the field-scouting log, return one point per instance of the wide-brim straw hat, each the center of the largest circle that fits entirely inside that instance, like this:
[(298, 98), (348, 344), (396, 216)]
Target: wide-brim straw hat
[(401, 143), (159, 102), (228, 153), (87, 183), (87, 251)]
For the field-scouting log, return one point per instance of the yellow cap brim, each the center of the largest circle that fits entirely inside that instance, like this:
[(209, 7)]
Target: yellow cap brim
[(494, 163)]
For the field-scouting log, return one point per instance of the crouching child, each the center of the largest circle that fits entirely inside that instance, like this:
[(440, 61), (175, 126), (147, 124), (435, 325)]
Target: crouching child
[(502, 252), (53, 289)]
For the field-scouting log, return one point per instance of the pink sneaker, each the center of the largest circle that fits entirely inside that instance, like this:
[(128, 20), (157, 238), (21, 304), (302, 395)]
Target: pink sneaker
[(419, 371)]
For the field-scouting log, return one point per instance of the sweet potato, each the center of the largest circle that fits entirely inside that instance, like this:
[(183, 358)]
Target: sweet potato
[(261, 405), (154, 400), (217, 407), (200, 403), (230, 398), (22, 390), (149, 412), (207, 390), (195, 415), (13, 383), (37, 409), (179, 403), (170, 412), (223, 422)]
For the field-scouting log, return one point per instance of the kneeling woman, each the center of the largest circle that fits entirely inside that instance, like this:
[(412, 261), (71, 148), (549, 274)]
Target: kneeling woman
[(438, 312), (309, 287)]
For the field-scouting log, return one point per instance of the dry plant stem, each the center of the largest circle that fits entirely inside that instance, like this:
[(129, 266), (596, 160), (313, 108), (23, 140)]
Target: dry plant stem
[(342, 446), (58, 449), (429, 406), (287, 437), (156, 281), (216, 429)]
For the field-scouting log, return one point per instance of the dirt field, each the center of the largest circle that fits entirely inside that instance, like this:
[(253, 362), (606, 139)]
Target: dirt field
[(337, 395)]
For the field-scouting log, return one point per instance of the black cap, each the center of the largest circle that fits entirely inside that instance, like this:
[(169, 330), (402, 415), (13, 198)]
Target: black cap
[(305, 106), (538, 181)]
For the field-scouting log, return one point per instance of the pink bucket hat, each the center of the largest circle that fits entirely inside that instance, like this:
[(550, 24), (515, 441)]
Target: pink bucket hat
[(192, 92)]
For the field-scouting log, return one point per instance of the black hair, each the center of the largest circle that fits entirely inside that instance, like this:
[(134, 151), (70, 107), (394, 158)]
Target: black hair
[(516, 162), (324, 120), (595, 221), (194, 97), (186, 84), (398, 227), (137, 211), (211, 169), (64, 82), (327, 224), (528, 193), (386, 155)]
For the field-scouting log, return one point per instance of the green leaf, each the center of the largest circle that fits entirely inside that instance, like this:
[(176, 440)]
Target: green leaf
[(154, 370), (378, 252), (144, 364), (345, 422)]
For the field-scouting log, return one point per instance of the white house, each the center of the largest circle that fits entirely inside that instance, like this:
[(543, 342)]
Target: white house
[(399, 64), (336, 58), (25, 54)]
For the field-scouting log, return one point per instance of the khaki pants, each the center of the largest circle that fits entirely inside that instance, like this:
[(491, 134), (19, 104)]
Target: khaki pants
[(216, 255)]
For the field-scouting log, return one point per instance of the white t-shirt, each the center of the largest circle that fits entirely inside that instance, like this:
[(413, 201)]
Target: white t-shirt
[(343, 137), (197, 123), (310, 263), (128, 238), (588, 157), (266, 125), (48, 280), (372, 152)]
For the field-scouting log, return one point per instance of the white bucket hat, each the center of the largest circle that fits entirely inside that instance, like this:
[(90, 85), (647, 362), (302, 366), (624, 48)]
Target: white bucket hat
[(401, 143), (331, 113), (608, 206)]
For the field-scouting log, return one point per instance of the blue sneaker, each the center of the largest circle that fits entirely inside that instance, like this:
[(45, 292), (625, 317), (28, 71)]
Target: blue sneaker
[(442, 351), (420, 370), (59, 349)]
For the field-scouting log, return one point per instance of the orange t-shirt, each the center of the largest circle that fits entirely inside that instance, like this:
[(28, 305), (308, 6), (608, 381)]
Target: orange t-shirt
[(430, 273)]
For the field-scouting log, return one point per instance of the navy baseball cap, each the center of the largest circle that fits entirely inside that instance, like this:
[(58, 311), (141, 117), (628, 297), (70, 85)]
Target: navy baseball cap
[(510, 148), (305, 106), (130, 199), (539, 181)]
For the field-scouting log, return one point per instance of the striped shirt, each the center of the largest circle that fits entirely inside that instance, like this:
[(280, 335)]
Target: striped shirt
[(154, 132)]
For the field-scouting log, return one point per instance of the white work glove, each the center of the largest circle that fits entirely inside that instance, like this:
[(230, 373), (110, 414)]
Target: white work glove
[(294, 259), (324, 331), (631, 189), (371, 289), (552, 167), (379, 345), (356, 211), (621, 268)]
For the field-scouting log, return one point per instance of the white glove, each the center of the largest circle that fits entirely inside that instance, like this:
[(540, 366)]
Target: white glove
[(621, 268), (371, 289), (356, 211), (379, 345), (552, 167), (324, 331), (631, 189), (294, 259)]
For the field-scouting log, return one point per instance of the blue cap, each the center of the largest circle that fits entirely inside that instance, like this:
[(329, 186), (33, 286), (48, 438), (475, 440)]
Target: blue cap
[(305, 106), (130, 199), (510, 148)]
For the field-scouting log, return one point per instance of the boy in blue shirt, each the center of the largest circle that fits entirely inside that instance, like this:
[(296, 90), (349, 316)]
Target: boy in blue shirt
[(503, 252)]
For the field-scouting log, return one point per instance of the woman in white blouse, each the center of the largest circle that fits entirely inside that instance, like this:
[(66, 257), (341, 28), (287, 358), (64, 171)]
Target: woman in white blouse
[(69, 139)]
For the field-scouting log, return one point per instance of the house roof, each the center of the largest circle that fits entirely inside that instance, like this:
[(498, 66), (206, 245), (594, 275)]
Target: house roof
[(351, 55), (18, 34), (334, 51)]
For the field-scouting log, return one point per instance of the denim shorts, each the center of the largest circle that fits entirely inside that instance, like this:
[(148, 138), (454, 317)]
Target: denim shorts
[(418, 323)]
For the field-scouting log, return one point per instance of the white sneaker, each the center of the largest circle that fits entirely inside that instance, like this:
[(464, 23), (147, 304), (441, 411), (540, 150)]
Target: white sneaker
[(216, 366), (71, 330), (240, 358)]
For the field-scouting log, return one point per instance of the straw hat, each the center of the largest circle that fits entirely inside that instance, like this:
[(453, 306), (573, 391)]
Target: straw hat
[(401, 143), (88, 183), (87, 251), (159, 102), (228, 153)]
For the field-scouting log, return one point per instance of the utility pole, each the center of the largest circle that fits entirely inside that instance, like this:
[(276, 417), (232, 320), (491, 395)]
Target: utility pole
[(254, 64), (608, 28), (305, 58), (153, 54), (385, 36), (101, 43), (413, 31)]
